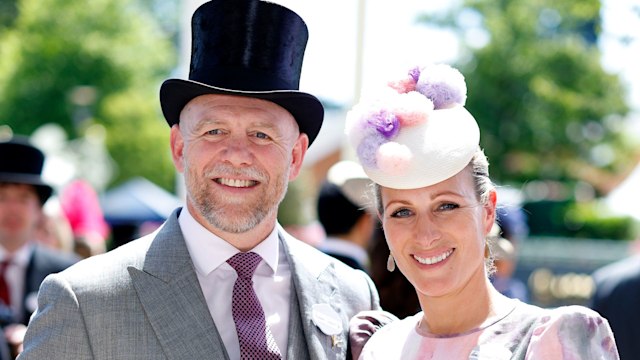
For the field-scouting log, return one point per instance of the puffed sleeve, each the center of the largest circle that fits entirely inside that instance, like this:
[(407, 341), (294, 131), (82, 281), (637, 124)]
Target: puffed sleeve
[(572, 332)]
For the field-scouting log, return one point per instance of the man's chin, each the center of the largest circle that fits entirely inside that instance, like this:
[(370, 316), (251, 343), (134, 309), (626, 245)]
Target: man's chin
[(240, 224), (234, 228)]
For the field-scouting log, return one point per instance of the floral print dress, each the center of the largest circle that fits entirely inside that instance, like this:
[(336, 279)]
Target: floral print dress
[(525, 332)]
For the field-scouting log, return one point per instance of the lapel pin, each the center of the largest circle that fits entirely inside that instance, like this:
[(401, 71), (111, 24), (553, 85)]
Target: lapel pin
[(336, 341)]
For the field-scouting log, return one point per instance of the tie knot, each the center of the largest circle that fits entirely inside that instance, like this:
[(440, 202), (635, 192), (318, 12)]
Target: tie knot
[(5, 263), (244, 263)]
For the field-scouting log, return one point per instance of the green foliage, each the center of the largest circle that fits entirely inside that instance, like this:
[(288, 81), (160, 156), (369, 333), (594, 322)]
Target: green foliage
[(586, 220), (8, 11), (545, 106), (138, 137), (109, 46), (297, 206)]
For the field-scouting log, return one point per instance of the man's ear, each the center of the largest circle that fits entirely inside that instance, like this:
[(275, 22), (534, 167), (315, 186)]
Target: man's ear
[(297, 155), (177, 148)]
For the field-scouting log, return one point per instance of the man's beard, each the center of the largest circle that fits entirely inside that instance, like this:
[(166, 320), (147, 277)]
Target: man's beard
[(234, 214)]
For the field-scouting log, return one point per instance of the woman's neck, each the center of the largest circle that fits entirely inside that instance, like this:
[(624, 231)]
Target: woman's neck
[(471, 308)]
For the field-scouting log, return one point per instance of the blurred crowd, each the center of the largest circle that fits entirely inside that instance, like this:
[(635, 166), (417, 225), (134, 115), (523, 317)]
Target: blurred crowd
[(42, 231)]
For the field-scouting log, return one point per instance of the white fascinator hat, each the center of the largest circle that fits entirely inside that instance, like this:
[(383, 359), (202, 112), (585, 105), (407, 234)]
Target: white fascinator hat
[(416, 132)]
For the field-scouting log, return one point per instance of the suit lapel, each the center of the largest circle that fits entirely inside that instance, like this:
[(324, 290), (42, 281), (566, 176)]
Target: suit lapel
[(31, 285), (296, 344), (314, 282), (172, 299)]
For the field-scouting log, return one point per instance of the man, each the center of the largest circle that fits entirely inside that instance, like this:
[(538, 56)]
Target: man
[(342, 211), (239, 132), (617, 290), (23, 263)]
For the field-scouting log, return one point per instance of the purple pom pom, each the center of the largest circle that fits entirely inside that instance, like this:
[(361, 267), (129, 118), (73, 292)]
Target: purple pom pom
[(385, 122), (368, 148), (444, 85), (415, 73)]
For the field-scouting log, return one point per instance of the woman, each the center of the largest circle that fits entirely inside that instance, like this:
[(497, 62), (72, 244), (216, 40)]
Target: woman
[(437, 206)]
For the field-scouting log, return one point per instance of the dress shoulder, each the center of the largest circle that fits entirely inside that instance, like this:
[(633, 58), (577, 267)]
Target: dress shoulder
[(572, 332), (391, 340)]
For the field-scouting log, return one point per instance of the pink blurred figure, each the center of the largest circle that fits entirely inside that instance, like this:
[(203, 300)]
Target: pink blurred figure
[(81, 206)]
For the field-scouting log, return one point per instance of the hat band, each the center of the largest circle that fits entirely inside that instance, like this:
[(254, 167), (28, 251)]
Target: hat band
[(244, 79)]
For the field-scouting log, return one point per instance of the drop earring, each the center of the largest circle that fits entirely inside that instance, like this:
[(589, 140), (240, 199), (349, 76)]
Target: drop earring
[(391, 263)]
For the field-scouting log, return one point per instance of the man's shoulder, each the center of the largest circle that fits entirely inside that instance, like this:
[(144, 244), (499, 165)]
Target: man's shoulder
[(619, 272)]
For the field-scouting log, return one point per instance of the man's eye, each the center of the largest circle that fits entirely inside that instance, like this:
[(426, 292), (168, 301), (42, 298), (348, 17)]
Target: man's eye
[(401, 213), (214, 132), (261, 135)]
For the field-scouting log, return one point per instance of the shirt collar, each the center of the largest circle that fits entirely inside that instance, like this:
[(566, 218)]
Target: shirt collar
[(20, 257), (209, 251)]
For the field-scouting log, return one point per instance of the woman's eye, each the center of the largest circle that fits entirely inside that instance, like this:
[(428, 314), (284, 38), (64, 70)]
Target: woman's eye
[(401, 213), (448, 206)]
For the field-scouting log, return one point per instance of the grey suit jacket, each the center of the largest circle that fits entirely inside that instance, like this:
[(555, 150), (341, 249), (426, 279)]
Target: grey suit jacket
[(143, 301)]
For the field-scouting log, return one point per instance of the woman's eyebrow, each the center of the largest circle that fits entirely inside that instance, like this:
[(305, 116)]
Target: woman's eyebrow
[(445, 193)]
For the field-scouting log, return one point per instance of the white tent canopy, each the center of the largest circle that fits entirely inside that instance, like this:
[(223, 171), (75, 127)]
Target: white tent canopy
[(625, 199)]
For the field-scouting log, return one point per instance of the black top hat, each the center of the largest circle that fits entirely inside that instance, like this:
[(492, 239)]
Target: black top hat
[(21, 163), (248, 48)]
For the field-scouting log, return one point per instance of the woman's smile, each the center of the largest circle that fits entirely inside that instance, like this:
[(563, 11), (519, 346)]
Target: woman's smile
[(432, 260)]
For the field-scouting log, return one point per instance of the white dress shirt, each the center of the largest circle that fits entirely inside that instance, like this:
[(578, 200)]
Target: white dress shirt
[(16, 275), (271, 281)]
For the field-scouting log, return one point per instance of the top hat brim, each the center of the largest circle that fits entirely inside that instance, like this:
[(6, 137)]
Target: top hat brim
[(43, 189), (305, 108)]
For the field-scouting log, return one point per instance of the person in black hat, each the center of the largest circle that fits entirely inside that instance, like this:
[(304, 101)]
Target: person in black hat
[(23, 263), (240, 129), (343, 212)]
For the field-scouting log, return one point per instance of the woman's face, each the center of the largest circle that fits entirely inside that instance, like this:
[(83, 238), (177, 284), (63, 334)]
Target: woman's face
[(437, 234)]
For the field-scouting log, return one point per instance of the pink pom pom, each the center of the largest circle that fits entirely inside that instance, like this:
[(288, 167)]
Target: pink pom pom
[(412, 108), (404, 85), (393, 158)]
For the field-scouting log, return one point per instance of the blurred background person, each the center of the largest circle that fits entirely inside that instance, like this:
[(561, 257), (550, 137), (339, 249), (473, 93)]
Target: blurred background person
[(80, 204), (343, 211), (617, 298), (53, 229), (505, 262), (24, 263), (397, 295)]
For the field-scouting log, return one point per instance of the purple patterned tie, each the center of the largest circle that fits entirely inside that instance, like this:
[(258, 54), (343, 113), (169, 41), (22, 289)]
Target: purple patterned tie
[(256, 340)]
